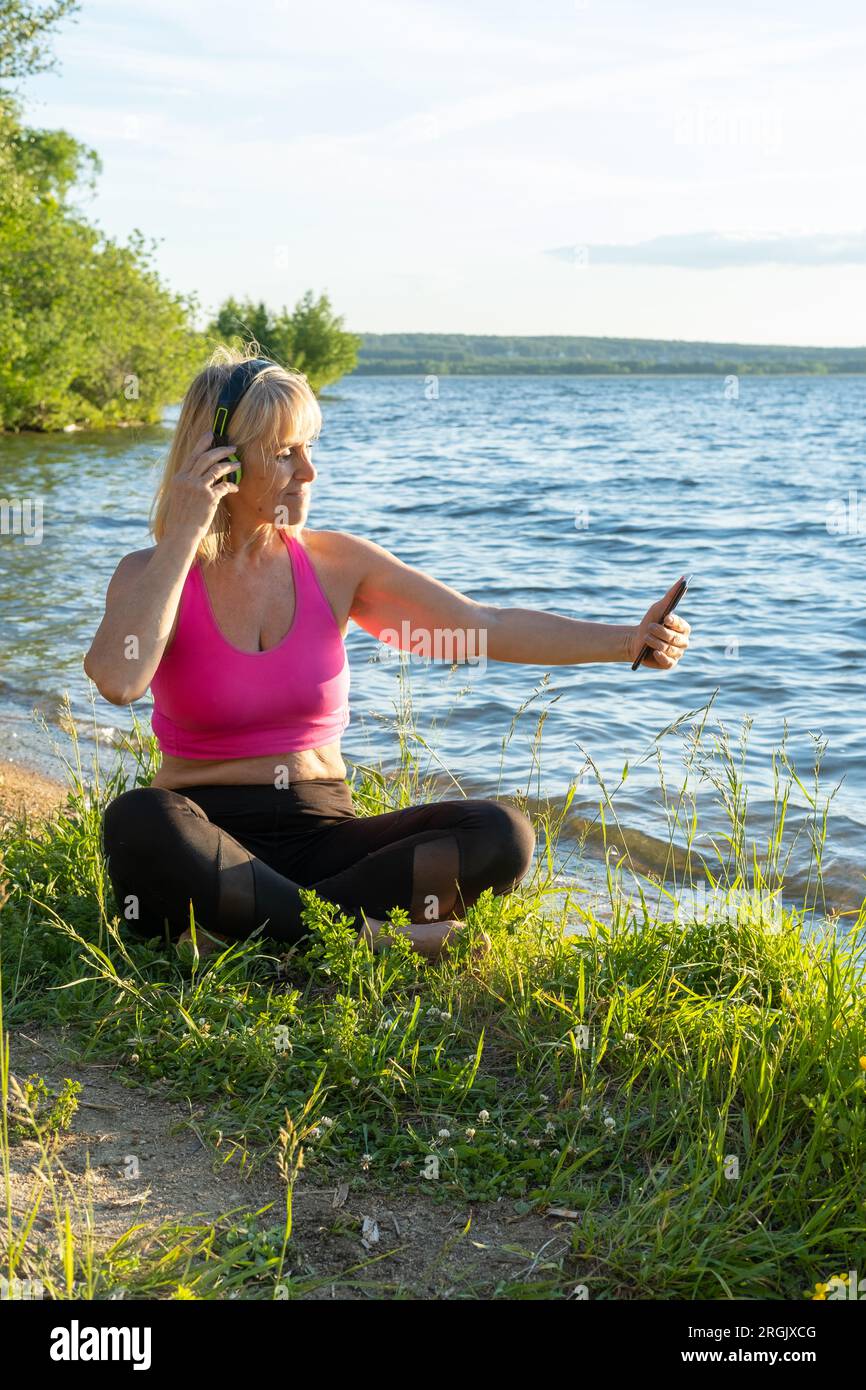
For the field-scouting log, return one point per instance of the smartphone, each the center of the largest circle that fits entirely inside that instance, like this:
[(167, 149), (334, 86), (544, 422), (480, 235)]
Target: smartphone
[(677, 595)]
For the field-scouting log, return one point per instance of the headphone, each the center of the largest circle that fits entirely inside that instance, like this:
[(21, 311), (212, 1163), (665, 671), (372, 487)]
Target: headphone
[(236, 385)]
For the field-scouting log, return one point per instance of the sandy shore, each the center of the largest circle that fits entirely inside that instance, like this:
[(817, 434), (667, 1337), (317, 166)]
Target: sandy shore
[(24, 789)]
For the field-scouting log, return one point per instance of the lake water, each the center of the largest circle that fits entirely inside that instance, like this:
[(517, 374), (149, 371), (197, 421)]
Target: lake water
[(585, 496)]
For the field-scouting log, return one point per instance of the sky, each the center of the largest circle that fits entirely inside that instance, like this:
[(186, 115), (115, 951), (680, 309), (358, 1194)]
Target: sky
[(603, 167)]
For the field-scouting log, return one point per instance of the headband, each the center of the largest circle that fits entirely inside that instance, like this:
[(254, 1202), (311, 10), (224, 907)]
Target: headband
[(236, 385)]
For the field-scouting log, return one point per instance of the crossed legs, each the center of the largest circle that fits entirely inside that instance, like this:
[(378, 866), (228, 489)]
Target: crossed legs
[(432, 860)]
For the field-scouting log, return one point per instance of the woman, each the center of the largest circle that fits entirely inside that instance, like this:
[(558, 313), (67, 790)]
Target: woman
[(235, 619)]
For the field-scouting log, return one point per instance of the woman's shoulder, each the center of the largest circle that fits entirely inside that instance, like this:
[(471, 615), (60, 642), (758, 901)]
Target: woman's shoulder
[(331, 547), (341, 561), (338, 546), (325, 542), (130, 571), (132, 565), (137, 559)]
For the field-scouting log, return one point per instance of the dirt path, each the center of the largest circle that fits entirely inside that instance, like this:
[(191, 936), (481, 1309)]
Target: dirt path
[(136, 1158), (23, 789), (133, 1157)]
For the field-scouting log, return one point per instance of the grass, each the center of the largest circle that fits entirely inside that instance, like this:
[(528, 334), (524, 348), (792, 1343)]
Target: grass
[(687, 1082)]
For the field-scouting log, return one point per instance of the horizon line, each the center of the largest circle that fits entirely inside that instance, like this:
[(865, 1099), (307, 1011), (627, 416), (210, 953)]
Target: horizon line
[(603, 337)]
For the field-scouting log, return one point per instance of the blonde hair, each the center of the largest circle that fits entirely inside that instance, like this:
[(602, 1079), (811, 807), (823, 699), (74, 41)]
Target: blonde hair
[(278, 407)]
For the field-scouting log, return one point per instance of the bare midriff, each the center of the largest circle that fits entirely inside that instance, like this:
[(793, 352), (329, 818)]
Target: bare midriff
[(304, 766)]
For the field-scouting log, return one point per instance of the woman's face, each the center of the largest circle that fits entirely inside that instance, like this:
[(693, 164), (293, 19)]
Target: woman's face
[(276, 484)]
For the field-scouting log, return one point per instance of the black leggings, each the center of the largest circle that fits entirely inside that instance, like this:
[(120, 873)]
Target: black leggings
[(240, 854)]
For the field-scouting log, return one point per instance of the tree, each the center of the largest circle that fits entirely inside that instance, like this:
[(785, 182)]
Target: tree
[(311, 339), (90, 335), (24, 28), (320, 347), (52, 160), (249, 322)]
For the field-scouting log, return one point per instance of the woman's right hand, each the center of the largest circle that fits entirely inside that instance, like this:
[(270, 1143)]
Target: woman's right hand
[(143, 598), (197, 489)]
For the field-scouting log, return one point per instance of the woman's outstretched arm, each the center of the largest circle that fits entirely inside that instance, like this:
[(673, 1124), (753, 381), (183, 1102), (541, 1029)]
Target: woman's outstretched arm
[(395, 602), (534, 636)]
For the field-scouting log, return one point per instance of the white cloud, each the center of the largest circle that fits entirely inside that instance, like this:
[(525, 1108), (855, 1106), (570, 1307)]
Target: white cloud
[(716, 251)]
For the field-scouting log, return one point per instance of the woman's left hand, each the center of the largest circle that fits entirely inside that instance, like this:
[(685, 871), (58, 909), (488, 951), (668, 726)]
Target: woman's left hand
[(668, 640)]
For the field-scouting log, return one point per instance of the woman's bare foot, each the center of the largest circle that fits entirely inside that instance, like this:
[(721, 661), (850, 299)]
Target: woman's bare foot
[(209, 944), (430, 939)]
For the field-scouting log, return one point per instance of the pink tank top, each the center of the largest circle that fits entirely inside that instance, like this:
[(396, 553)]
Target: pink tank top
[(213, 701)]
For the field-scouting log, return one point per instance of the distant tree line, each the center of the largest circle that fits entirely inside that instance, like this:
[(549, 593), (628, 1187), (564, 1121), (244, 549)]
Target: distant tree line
[(445, 354)]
